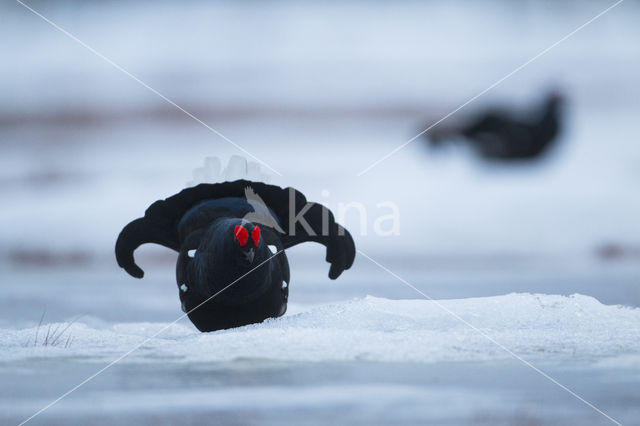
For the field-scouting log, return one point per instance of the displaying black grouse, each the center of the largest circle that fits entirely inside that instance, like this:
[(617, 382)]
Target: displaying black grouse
[(501, 135), (231, 239)]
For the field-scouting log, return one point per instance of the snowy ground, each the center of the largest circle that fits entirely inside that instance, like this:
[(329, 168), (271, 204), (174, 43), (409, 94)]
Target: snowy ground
[(358, 360), (338, 355), (320, 91), (375, 329)]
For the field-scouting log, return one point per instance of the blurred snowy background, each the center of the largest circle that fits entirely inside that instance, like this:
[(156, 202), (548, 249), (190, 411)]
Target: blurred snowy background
[(319, 91)]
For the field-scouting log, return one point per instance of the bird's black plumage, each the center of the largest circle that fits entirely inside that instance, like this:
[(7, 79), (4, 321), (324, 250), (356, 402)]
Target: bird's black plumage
[(249, 281), (501, 135)]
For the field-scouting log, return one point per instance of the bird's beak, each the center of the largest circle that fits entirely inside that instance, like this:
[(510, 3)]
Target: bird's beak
[(249, 255)]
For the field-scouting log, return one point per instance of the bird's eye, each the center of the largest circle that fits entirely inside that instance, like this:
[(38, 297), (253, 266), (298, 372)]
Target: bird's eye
[(255, 235), (241, 235)]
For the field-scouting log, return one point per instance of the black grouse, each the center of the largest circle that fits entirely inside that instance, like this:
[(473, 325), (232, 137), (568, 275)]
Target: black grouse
[(231, 236), (501, 135)]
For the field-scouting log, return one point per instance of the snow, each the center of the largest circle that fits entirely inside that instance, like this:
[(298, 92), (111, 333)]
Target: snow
[(269, 398), (541, 328)]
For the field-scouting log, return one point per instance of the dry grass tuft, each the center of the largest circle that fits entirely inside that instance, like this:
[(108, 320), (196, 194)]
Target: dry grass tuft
[(54, 336)]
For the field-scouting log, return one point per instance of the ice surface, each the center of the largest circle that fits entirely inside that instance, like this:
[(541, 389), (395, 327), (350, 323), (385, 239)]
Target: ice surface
[(549, 328)]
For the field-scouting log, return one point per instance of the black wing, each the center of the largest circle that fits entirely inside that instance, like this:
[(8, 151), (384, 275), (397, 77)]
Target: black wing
[(300, 220)]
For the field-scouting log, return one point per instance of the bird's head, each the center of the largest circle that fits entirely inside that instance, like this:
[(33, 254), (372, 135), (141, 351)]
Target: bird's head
[(247, 242), (231, 249)]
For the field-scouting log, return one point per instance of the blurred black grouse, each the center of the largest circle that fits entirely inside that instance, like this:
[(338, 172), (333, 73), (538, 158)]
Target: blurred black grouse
[(500, 135), (231, 239)]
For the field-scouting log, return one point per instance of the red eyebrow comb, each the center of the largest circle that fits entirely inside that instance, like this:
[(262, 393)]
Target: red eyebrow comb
[(255, 235), (241, 235)]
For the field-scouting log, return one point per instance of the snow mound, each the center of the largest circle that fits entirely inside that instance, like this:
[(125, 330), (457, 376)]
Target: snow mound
[(546, 328)]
